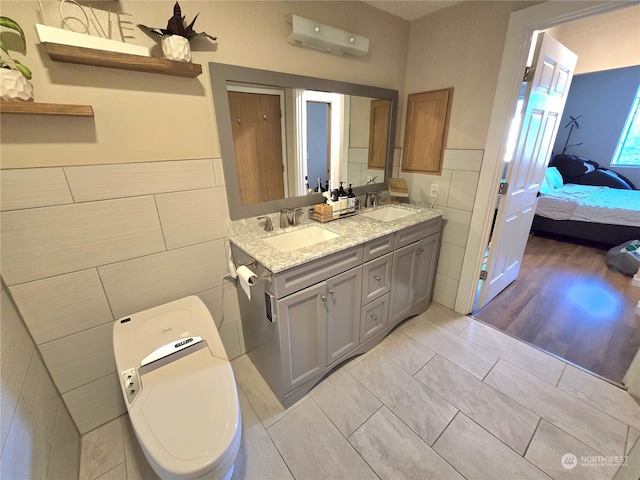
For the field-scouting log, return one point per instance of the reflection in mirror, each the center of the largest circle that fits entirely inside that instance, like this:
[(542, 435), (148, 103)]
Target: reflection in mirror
[(284, 138)]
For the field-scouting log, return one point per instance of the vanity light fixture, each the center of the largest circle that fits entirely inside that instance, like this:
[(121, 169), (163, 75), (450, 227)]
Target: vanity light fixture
[(324, 37)]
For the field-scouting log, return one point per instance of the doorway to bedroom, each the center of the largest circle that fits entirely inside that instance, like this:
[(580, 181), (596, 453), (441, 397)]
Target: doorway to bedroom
[(565, 300)]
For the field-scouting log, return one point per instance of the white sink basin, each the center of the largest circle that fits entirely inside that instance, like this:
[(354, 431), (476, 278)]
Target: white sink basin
[(305, 237), (388, 214)]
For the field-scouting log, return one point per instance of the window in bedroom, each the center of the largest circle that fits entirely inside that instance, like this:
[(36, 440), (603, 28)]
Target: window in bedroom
[(628, 149)]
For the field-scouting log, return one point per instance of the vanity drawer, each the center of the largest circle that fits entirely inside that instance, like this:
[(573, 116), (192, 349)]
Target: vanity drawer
[(417, 232), (378, 247), (373, 317), (376, 278), (297, 278)]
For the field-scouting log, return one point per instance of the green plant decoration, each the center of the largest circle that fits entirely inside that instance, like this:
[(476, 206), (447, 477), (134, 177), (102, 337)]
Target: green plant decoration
[(6, 61), (176, 26)]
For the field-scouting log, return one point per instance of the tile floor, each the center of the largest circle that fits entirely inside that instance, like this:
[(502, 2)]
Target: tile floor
[(442, 397)]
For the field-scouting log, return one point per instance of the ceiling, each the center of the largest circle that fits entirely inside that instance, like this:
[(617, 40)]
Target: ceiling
[(411, 9)]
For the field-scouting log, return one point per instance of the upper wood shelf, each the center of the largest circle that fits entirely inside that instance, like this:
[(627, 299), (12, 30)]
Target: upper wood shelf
[(34, 108), (124, 61)]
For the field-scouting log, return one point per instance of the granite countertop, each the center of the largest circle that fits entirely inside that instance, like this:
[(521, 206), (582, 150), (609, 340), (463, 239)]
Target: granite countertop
[(353, 230)]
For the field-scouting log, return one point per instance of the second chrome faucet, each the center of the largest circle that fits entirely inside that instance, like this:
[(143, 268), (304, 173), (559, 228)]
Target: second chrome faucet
[(290, 217)]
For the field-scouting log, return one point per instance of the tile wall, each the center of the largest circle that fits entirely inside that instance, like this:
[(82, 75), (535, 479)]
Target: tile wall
[(85, 245), (38, 439), (458, 185)]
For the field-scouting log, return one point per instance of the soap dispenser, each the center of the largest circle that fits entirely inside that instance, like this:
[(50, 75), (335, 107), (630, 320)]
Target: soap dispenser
[(351, 200), (343, 198)]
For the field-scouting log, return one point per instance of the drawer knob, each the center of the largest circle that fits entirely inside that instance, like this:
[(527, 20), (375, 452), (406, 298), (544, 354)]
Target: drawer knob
[(377, 278), (374, 318), (331, 291), (324, 299)]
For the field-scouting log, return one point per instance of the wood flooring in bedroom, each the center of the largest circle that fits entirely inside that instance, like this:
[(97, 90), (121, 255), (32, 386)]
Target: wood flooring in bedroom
[(567, 302)]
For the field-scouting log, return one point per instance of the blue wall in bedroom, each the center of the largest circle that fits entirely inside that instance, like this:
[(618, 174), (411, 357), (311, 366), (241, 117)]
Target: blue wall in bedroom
[(603, 99)]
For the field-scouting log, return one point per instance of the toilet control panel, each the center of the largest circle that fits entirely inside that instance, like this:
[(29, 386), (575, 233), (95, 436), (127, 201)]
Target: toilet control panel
[(131, 383)]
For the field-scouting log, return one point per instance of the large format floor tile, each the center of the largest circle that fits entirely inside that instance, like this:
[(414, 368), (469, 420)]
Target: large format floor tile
[(478, 455), (345, 401), (393, 450), (494, 411), (597, 429), (561, 456), (534, 361), (463, 353), (303, 433), (425, 412), (602, 395)]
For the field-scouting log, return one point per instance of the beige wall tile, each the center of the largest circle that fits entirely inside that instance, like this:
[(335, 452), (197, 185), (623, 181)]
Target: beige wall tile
[(445, 290), (419, 185), (145, 282), (456, 226), (58, 306), (80, 358), (95, 403), (222, 315), (455, 159), (193, 217), (231, 340), (27, 452), (463, 188), (16, 350), (450, 260), (219, 172), (41, 397), (101, 182), (65, 451), (33, 187), (44, 242)]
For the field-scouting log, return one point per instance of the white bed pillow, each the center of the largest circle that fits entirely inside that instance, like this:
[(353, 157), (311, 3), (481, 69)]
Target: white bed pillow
[(552, 180)]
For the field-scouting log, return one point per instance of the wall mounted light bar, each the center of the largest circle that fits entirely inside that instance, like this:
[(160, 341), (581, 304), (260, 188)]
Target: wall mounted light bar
[(324, 37)]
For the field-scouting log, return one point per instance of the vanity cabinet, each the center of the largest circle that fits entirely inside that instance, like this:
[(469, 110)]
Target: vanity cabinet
[(301, 322)]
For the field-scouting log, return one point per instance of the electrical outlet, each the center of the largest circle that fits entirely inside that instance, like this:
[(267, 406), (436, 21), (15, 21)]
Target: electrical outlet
[(434, 190)]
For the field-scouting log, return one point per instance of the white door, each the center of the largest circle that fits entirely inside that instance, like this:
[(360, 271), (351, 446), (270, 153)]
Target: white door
[(545, 96)]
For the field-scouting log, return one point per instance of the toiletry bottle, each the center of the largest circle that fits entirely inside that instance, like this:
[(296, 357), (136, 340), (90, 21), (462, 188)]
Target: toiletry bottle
[(342, 197), (335, 200), (351, 200)]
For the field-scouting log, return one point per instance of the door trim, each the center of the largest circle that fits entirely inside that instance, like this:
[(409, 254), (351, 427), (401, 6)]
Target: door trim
[(522, 25)]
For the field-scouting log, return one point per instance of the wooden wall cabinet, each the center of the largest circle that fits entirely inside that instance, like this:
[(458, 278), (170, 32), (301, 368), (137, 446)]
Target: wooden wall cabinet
[(426, 129)]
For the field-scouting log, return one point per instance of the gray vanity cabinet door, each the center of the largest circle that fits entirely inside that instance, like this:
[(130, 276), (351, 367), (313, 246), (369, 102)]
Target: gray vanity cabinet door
[(404, 261), (425, 269), (343, 313), (303, 330)]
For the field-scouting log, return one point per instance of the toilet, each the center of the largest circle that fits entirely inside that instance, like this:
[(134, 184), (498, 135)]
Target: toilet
[(179, 389)]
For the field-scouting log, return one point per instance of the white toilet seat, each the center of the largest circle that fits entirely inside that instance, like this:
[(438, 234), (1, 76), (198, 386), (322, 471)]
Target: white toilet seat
[(186, 435), (179, 389)]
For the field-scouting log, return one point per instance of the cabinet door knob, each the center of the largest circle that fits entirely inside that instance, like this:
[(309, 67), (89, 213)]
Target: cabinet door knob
[(331, 291), (324, 299), (377, 278), (374, 318)]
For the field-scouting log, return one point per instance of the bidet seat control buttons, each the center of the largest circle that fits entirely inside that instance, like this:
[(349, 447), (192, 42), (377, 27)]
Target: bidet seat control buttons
[(131, 383)]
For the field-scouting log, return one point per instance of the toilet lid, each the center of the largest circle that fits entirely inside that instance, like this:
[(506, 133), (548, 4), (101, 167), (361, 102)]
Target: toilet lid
[(187, 411)]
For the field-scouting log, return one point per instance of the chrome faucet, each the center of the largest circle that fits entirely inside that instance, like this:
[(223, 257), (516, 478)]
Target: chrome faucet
[(268, 226), (285, 217), (297, 213), (371, 199)]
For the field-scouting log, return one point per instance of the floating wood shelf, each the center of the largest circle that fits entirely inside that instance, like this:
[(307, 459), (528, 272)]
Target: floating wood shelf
[(34, 108), (124, 61)]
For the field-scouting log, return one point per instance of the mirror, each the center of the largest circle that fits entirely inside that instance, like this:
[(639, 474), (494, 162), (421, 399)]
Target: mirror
[(349, 127)]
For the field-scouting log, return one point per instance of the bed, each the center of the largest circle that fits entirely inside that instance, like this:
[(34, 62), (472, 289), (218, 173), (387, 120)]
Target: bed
[(578, 199)]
